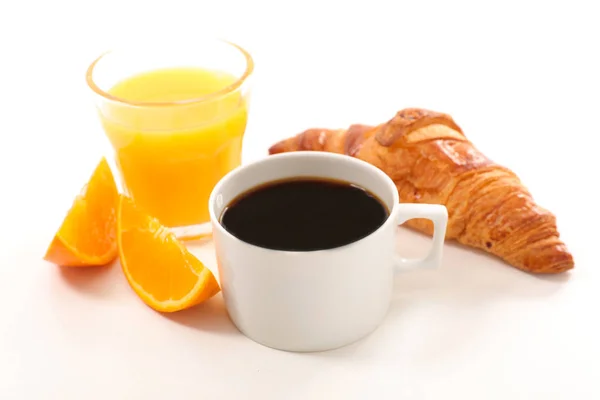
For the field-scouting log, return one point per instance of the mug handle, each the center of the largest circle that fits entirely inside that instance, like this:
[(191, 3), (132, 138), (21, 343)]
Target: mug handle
[(439, 216)]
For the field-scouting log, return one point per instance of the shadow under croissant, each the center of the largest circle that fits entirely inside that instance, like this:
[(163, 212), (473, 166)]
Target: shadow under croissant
[(469, 274), (465, 288)]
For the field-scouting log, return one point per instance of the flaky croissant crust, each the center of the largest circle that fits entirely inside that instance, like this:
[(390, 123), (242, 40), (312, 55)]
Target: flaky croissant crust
[(431, 161)]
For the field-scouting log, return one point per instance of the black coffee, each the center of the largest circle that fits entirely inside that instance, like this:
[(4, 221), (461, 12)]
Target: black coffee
[(304, 215)]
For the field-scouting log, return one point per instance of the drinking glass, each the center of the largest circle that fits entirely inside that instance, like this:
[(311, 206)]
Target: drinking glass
[(178, 129)]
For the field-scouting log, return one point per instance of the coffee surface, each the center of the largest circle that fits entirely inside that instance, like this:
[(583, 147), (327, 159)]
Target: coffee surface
[(304, 215)]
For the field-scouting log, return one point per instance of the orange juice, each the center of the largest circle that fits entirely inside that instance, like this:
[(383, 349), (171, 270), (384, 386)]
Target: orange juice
[(184, 135)]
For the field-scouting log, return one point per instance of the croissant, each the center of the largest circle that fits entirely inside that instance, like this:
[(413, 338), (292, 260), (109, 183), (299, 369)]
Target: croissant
[(431, 161)]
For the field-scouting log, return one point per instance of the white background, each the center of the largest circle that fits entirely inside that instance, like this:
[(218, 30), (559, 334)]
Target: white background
[(520, 77)]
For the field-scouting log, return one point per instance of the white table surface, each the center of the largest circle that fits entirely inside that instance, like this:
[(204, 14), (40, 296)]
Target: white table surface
[(521, 78)]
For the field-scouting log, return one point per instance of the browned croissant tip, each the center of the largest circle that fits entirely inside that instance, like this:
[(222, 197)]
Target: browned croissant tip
[(314, 139), (290, 144), (553, 268), (410, 119), (558, 260), (278, 147), (558, 268)]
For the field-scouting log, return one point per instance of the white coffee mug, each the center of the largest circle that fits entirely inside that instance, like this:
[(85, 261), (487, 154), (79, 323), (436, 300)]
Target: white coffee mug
[(314, 300)]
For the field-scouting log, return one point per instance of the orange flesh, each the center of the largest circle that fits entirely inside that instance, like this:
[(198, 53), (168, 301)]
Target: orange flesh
[(165, 275), (87, 235)]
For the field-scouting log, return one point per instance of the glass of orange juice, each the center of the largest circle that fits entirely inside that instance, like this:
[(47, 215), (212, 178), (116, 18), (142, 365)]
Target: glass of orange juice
[(175, 115)]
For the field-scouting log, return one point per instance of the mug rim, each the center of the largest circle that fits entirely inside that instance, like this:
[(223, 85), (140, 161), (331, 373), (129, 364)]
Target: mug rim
[(301, 154)]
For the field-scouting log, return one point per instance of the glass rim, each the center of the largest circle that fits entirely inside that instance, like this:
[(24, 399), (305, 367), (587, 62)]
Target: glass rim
[(219, 93)]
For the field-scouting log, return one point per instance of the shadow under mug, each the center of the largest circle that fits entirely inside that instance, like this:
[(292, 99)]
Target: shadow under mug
[(315, 300)]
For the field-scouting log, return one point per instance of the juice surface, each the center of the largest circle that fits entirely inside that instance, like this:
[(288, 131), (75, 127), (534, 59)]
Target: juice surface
[(171, 156)]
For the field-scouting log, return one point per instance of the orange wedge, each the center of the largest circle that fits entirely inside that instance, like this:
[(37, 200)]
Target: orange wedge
[(87, 235), (163, 273)]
